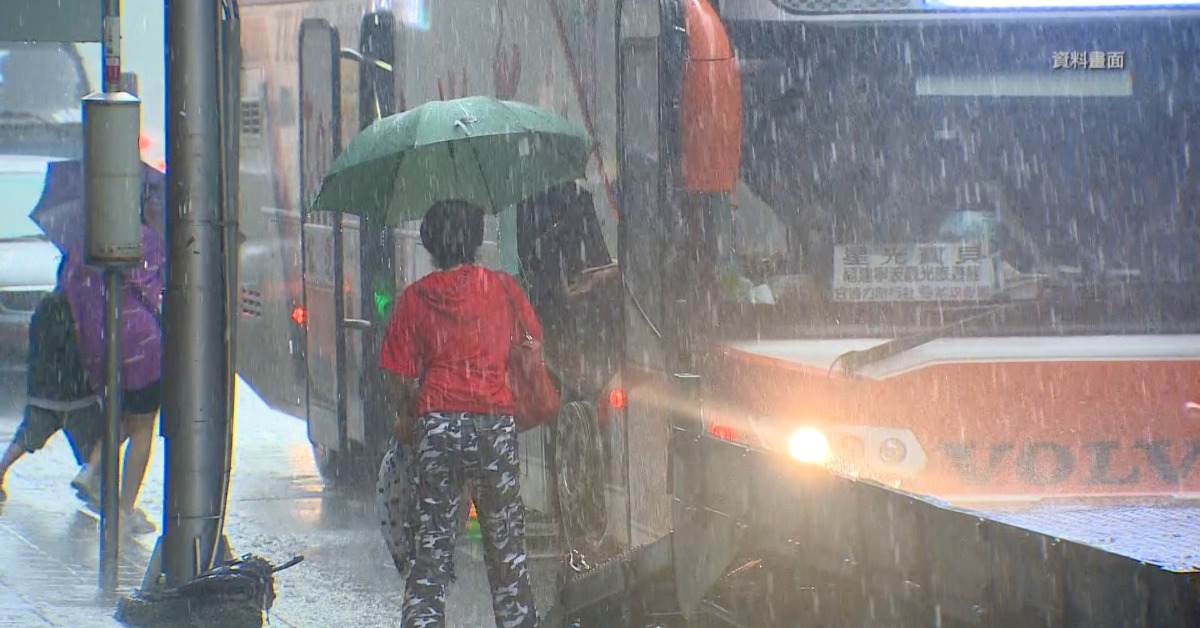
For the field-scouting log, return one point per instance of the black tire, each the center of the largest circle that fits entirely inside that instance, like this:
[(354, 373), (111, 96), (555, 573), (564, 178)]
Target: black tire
[(355, 470), (579, 471)]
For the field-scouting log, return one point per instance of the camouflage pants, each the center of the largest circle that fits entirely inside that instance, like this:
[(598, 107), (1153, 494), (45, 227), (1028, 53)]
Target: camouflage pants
[(395, 506), (480, 451)]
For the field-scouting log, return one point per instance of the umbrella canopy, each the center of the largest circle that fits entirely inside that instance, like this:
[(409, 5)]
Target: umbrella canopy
[(485, 151), (61, 212)]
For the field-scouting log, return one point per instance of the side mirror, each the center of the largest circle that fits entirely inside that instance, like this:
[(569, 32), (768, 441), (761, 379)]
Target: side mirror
[(129, 83)]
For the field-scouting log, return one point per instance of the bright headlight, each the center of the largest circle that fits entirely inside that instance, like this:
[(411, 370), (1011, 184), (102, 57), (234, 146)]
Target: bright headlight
[(809, 445)]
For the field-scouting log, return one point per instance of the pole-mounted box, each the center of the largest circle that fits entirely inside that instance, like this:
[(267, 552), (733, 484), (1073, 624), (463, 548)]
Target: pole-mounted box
[(113, 167)]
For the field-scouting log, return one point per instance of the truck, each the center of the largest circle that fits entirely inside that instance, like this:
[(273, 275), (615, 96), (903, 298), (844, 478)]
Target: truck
[(903, 333)]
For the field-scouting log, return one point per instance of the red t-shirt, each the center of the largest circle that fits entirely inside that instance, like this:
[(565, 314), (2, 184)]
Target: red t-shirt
[(451, 330)]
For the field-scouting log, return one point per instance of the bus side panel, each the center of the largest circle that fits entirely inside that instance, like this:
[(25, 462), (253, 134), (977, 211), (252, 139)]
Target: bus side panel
[(267, 350), (271, 344), (321, 335), (267, 346), (649, 433), (351, 291), (514, 51)]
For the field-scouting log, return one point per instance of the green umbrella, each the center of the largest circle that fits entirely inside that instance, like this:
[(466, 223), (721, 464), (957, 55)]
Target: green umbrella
[(489, 152)]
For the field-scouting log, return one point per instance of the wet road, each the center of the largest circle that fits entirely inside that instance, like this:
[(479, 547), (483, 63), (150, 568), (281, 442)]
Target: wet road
[(278, 508)]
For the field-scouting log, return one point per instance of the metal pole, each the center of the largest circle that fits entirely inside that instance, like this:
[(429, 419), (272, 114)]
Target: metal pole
[(194, 401), (110, 453), (231, 89), (111, 45)]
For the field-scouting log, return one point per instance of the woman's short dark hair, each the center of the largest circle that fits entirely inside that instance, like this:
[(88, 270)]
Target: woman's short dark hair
[(452, 231)]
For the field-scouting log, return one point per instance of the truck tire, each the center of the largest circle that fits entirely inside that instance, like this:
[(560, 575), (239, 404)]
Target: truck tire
[(356, 470), (579, 474)]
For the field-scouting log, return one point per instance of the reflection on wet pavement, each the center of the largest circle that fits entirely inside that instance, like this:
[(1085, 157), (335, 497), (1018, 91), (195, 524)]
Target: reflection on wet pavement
[(278, 508)]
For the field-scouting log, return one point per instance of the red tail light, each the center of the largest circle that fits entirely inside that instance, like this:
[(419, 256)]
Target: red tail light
[(609, 407), (723, 432), (299, 316), (617, 398)]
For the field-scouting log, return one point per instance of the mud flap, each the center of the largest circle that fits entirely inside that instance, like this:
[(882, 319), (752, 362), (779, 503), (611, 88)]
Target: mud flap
[(703, 545), (709, 489), (617, 578)]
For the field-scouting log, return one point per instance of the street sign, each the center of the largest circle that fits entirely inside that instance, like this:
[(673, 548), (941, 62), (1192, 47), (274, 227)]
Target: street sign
[(914, 272)]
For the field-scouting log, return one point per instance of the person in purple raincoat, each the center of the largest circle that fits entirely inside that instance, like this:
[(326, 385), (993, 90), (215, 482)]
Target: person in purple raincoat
[(141, 359)]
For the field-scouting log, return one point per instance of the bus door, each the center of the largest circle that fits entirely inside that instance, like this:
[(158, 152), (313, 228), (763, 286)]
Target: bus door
[(322, 236), (650, 62), (370, 262), (348, 287)]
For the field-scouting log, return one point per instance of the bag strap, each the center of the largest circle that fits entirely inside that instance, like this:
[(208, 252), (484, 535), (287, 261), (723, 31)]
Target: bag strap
[(524, 333), (514, 313)]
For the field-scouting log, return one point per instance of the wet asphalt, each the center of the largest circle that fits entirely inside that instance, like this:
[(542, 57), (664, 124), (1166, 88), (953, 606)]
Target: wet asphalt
[(279, 507)]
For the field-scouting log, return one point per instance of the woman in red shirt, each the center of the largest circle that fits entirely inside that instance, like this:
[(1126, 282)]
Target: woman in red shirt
[(448, 341)]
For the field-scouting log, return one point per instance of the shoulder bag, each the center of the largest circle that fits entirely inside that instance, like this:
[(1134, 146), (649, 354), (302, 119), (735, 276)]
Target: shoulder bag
[(536, 400)]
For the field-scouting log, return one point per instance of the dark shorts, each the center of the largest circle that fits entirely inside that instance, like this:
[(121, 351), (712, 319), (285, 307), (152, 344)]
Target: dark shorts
[(83, 428), (145, 400)]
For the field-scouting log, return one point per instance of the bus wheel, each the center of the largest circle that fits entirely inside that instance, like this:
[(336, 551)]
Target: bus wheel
[(353, 471), (579, 478)]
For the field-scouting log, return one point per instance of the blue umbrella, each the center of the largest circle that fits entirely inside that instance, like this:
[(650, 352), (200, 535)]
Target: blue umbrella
[(60, 211)]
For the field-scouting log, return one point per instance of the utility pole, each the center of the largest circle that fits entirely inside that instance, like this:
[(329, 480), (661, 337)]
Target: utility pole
[(112, 121), (192, 577), (195, 410)]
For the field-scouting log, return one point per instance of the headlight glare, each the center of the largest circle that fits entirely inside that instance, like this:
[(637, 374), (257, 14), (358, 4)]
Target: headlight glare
[(809, 445)]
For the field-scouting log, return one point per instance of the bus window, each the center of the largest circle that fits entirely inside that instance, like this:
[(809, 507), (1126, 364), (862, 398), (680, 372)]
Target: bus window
[(320, 132), (917, 183)]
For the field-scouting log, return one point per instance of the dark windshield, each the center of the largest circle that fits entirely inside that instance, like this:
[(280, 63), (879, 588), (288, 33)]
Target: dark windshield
[(920, 169), (41, 80)]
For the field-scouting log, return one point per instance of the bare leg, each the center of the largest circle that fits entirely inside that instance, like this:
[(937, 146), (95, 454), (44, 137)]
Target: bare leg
[(137, 455), (90, 476), (11, 455), (14, 453), (93, 462)]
